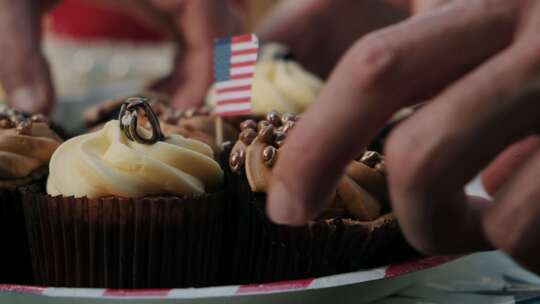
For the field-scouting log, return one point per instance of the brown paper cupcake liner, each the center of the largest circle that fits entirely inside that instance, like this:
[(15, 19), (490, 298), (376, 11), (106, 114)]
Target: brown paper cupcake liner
[(153, 242), (266, 252), (15, 263)]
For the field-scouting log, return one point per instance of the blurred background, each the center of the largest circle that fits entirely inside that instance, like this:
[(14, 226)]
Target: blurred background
[(97, 53)]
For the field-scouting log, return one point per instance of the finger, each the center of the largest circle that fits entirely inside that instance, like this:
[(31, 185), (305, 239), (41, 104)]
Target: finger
[(421, 6), (383, 72), (469, 124), (24, 73), (507, 163), (292, 22), (512, 225), (198, 23)]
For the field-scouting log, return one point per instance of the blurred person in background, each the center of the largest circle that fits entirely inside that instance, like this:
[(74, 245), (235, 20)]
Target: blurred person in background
[(190, 26)]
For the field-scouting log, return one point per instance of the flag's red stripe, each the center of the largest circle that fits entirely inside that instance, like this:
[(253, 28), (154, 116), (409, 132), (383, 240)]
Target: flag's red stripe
[(243, 64), (242, 38), (244, 52), (242, 76), (234, 89), (234, 101), (234, 113)]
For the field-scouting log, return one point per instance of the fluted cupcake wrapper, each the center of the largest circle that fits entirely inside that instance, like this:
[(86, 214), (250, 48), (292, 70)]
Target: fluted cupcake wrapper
[(15, 265), (153, 242), (266, 252)]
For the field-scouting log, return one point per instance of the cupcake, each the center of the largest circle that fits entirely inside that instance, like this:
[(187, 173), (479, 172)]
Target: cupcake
[(280, 84), (127, 207), (95, 116), (26, 145), (356, 231), (196, 123)]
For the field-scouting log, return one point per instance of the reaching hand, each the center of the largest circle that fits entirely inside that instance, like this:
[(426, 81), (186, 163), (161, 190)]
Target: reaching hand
[(24, 73), (478, 61), (192, 25), (320, 31)]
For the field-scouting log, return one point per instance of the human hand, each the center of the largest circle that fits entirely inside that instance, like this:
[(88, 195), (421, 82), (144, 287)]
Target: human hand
[(192, 25), (421, 6), (478, 62), (24, 73), (320, 31)]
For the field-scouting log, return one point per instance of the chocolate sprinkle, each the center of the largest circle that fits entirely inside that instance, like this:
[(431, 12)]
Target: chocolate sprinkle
[(5, 123), (236, 162), (248, 124), (287, 117), (24, 127), (247, 136), (274, 118), (269, 155), (267, 134), (262, 124)]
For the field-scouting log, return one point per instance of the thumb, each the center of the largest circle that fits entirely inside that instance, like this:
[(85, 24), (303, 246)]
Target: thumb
[(24, 72)]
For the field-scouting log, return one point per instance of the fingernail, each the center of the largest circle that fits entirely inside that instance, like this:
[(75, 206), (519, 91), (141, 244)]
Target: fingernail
[(284, 207), (24, 98)]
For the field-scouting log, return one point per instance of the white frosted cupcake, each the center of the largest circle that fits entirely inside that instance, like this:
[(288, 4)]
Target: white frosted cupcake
[(280, 85), (126, 207)]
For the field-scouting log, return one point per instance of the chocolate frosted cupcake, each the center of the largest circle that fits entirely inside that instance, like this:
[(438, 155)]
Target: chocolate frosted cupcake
[(196, 123), (99, 114), (356, 231), (26, 145), (126, 207)]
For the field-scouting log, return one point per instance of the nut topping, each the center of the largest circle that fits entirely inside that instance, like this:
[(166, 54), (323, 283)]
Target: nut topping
[(190, 112), (288, 117), (237, 161), (267, 134), (269, 155), (248, 124), (247, 136), (381, 167), (288, 126), (274, 118), (279, 136), (39, 118), (5, 123), (262, 124), (24, 127)]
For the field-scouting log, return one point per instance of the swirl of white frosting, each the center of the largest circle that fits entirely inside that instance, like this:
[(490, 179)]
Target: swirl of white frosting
[(107, 163)]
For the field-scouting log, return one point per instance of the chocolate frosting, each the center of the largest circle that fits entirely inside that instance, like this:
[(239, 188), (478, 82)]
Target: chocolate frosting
[(196, 123), (26, 143), (361, 194)]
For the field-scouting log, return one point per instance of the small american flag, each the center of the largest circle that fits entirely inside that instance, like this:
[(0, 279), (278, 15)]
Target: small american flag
[(234, 61)]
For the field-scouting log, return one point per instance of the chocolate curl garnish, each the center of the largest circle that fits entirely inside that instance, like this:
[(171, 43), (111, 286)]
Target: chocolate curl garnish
[(128, 121)]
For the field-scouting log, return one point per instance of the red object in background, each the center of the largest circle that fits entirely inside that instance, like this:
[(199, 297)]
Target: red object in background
[(80, 20)]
